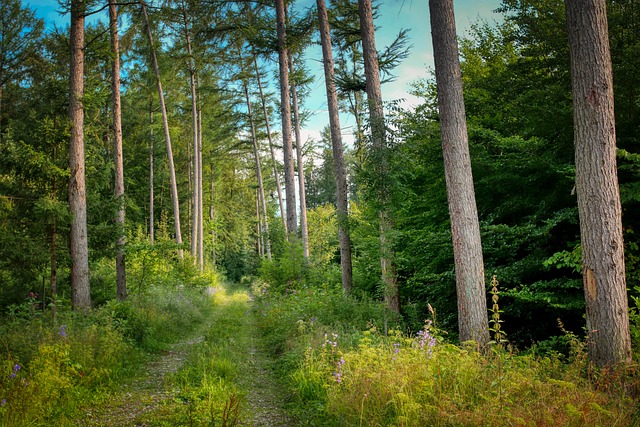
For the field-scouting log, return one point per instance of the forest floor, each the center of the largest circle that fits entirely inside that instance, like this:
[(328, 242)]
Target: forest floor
[(151, 398)]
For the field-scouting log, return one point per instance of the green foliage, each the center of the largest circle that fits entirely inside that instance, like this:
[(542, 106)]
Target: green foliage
[(345, 371)]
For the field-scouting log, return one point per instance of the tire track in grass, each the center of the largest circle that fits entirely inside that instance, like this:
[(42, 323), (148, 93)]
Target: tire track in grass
[(156, 397)]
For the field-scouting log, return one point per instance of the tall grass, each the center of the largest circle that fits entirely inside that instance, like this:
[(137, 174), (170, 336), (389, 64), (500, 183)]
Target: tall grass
[(344, 368), (50, 368)]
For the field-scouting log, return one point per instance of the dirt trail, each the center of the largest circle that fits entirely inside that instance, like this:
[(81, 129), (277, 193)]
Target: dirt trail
[(145, 400)]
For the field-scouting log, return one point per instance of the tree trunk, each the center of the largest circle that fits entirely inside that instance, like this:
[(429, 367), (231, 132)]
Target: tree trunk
[(201, 192), (338, 157), (80, 294), (304, 229), (473, 322), (121, 275), (603, 267), (273, 154), (256, 153), (167, 136), (378, 137), (212, 216), (285, 112), (151, 196), (195, 213)]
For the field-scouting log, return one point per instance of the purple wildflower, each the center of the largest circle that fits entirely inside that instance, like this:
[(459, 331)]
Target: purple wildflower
[(16, 368), (338, 377), (62, 331), (4, 402)]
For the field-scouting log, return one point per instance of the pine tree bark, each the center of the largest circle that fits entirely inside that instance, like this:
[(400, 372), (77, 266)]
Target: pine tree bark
[(338, 155), (304, 229), (80, 294), (261, 198), (378, 137), (285, 112), (121, 274), (167, 136), (195, 211), (271, 149), (473, 322), (599, 207), (201, 191)]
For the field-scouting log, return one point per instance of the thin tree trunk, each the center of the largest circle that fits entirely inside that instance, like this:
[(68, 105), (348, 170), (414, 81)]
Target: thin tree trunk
[(473, 323), (378, 136), (151, 196), (53, 279), (603, 267), (273, 154), (259, 227), (256, 153), (201, 192), (304, 230), (212, 216), (121, 275), (80, 294), (285, 112), (338, 157), (167, 136), (195, 215)]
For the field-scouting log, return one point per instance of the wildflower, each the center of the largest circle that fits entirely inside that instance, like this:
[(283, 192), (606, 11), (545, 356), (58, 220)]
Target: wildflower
[(338, 377), (16, 368), (4, 402), (62, 331)]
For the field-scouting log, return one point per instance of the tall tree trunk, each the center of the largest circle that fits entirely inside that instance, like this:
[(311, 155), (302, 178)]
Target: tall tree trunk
[(473, 323), (53, 278), (378, 137), (256, 153), (273, 154), (195, 213), (304, 229), (212, 215), (338, 157), (80, 294), (151, 196), (603, 267), (121, 275), (285, 112), (201, 192), (167, 136)]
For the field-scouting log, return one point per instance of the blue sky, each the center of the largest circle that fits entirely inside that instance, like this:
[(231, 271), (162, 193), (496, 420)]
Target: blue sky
[(394, 16)]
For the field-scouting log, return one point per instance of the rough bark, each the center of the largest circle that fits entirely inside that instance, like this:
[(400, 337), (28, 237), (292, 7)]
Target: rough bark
[(338, 155), (200, 192), (473, 323), (80, 295), (121, 274), (261, 198), (273, 154), (378, 137), (304, 229), (285, 112), (167, 136), (597, 189)]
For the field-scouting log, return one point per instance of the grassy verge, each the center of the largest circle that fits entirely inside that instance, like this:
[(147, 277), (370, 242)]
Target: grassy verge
[(345, 368), (49, 369)]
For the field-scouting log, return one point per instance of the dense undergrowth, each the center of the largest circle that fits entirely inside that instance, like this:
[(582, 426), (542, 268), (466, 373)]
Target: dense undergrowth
[(52, 367), (350, 362)]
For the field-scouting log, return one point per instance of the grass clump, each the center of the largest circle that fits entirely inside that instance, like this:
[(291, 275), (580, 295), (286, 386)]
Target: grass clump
[(343, 368)]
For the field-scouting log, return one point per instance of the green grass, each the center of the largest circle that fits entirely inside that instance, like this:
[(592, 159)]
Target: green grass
[(344, 369)]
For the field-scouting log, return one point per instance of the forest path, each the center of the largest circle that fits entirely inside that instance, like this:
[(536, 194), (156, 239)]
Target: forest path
[(152, 398)]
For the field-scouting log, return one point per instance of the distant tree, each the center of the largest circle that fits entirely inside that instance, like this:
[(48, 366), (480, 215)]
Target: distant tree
[(465, 229), (20, 32), (121, 275), (80, 295), (338, 157), (379, 143), (167, 136), (597, 189), (285, 112)]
